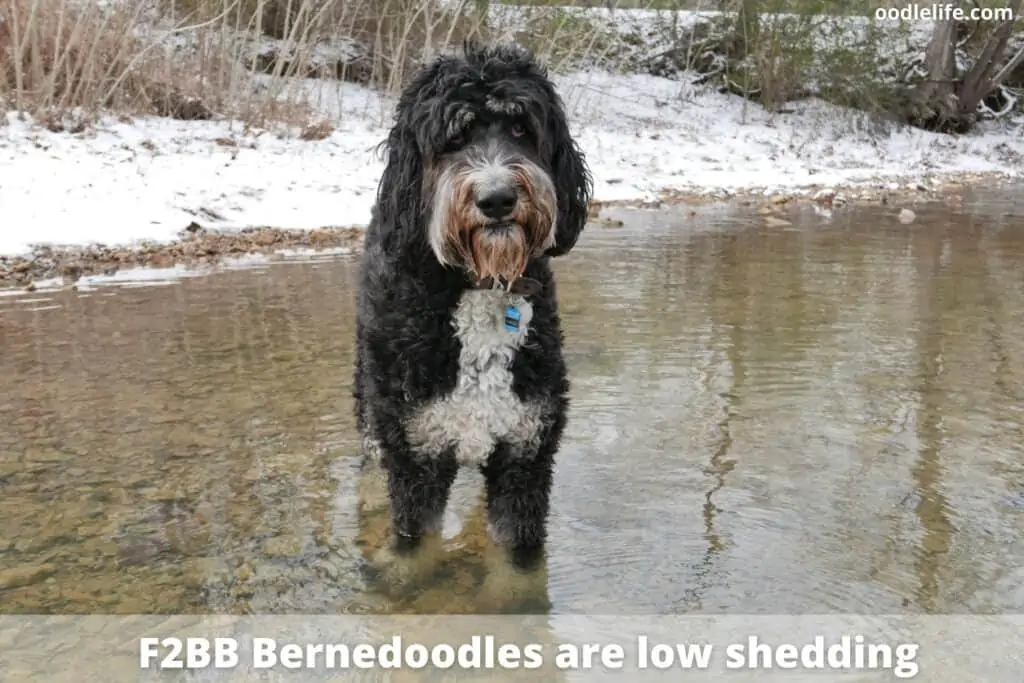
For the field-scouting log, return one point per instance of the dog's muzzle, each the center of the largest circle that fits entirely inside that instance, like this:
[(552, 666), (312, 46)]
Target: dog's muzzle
[(493, 212)]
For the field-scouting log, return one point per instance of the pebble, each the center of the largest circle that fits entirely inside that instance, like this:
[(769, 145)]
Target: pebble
[(207, 570), (825, 196), (776, 222), (282, 546), (47, 455), (17, 577)]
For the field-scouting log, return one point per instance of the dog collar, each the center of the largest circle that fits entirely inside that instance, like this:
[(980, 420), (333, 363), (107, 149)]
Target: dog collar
[(523, 286)]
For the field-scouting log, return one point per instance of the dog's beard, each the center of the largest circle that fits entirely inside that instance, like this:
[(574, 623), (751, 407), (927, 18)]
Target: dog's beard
[(498, 252), (459, 233)]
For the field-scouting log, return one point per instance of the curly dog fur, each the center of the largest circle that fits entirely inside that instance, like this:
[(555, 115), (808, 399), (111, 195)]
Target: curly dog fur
[(483, 185)]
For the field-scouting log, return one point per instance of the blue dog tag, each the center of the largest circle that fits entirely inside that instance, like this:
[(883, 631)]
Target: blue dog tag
[(512, 319)]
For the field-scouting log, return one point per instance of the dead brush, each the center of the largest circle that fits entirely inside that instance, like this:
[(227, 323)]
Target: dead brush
[(66, 60), (246, 60), (60, 56)]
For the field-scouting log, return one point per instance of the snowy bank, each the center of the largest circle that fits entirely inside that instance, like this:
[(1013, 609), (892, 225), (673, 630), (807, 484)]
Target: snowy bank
[(147, 179)]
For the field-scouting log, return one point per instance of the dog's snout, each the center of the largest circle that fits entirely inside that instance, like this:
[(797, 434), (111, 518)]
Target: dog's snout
[(498, 203)]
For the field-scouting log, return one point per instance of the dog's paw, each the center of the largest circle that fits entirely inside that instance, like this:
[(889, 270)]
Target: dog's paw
[(400, 571), (511, 589)]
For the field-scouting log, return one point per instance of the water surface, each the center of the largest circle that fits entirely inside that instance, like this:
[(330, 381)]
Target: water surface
[(822, 417)]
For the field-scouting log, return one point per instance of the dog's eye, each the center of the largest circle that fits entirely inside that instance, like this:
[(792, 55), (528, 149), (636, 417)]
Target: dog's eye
[(518, 130), (457, 140)]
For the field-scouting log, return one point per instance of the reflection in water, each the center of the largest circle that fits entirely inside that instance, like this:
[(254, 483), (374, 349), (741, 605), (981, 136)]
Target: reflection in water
[(822, 417), (468, 573), (931, 508)]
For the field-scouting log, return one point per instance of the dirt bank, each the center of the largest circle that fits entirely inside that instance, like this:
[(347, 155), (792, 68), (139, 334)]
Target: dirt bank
[(198, 246), (894, 192)]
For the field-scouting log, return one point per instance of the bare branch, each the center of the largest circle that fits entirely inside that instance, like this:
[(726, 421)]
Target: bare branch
[(977, 84), (1014, 62)]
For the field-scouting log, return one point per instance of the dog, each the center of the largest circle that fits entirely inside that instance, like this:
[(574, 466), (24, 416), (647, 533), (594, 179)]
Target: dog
[(458, 338)]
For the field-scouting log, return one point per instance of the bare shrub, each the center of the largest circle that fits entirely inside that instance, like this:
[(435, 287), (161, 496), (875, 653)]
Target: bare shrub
[(252, 59), (373, 42), (197, 59), (566, 37), (61, 56)]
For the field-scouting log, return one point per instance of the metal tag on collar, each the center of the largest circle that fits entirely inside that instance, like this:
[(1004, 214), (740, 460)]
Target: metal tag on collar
[(512, 318)]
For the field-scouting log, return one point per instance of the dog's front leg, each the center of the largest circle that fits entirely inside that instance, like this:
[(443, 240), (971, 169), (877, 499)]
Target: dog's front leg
[(418, 488), (518, 484)]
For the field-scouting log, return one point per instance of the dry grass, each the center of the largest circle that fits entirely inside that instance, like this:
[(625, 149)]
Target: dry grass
[(66, 58), (77, 58), (66, 61)]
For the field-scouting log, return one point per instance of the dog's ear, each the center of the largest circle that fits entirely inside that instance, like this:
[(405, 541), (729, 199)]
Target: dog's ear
[(573, 182), (400, 203), (398, 194)]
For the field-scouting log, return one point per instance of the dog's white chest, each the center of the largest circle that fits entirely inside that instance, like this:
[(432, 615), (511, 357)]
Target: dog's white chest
[(483, 407)]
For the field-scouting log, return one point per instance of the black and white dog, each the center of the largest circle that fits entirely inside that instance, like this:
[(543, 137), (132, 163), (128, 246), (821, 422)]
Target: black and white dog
[(459, 343)]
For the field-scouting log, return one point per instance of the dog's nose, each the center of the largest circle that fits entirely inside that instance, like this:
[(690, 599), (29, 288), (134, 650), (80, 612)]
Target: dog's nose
[(498, 203)]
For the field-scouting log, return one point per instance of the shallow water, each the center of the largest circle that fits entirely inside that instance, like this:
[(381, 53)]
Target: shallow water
[(822, 417)]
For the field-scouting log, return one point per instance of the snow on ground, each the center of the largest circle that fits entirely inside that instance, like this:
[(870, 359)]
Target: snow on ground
[(124, 182)]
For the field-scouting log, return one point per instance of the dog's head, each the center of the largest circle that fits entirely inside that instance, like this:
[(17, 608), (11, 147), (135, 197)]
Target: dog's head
[(481, 165)]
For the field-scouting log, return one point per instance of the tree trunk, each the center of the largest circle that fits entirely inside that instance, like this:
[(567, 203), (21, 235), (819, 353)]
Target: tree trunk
[(945, 102), (933, 104), (979, 82), (744, 29), (748, 25)]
